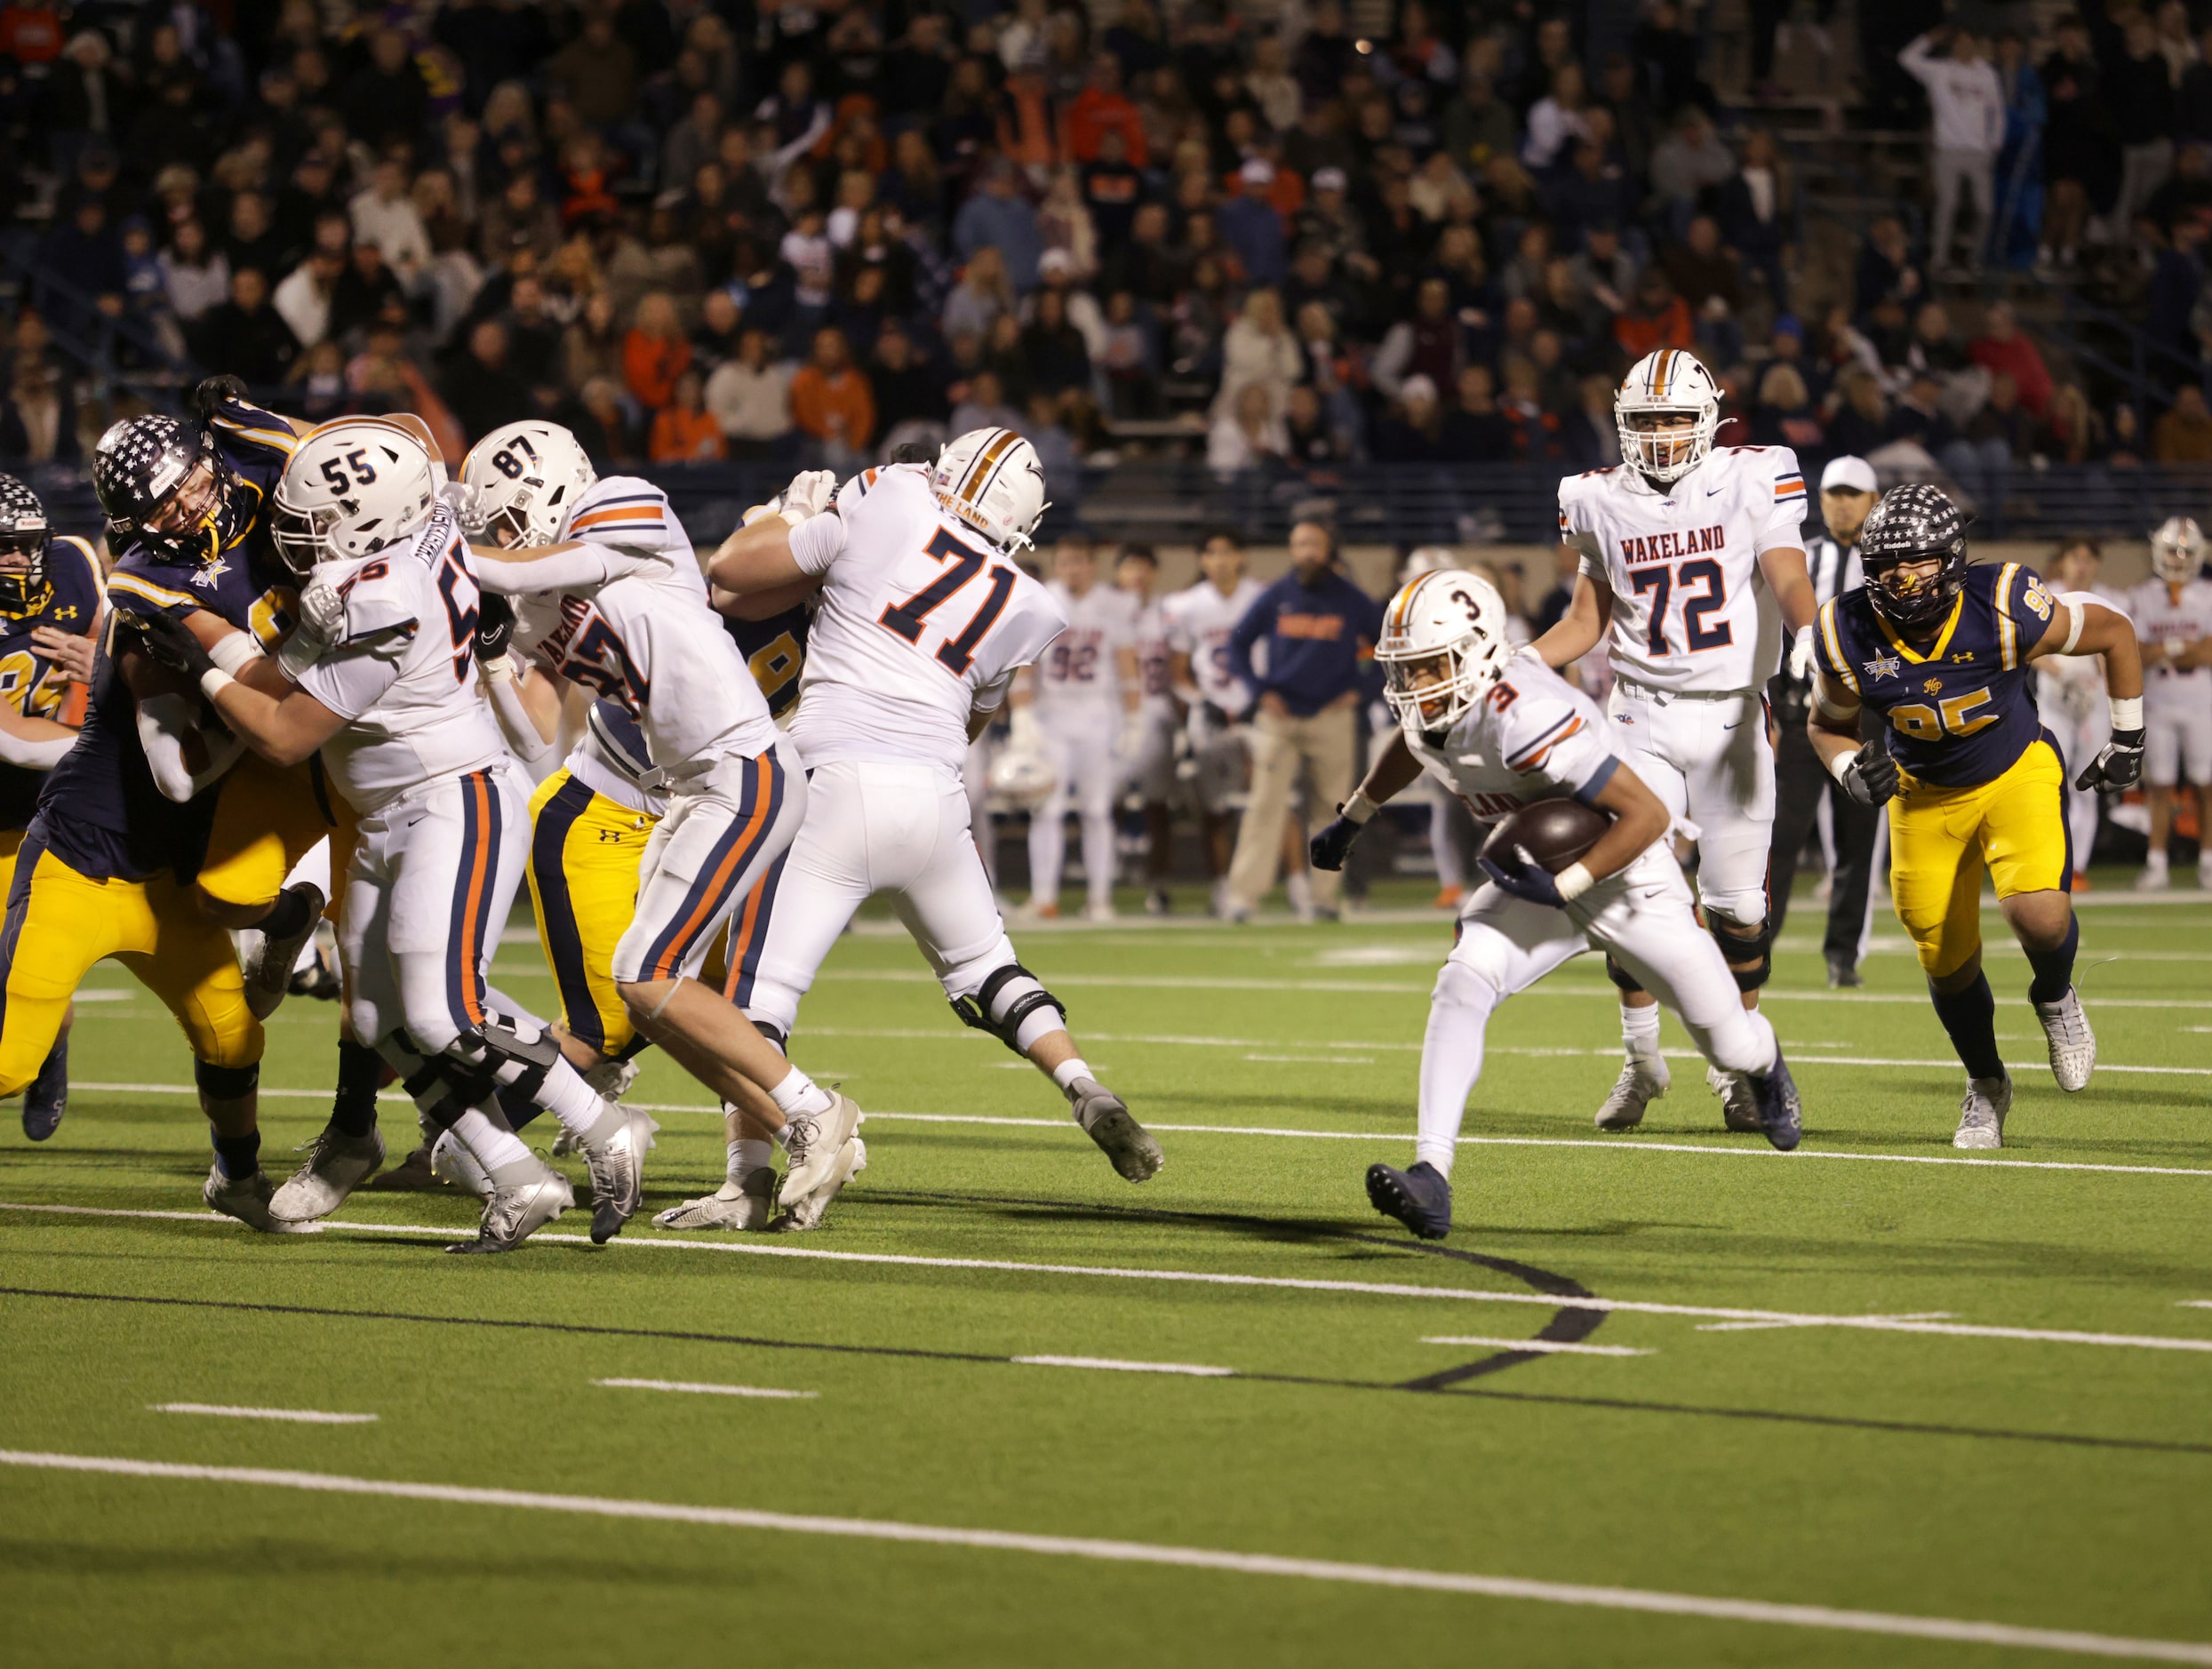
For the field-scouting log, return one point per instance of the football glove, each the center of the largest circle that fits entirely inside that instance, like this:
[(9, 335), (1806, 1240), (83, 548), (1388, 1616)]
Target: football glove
[(1329, 848), (495, 626), (810, 494), (210, 394), (1871, 778), (1531, 879), (471, 514), (168, 641), (322, 624), (2118, 765)]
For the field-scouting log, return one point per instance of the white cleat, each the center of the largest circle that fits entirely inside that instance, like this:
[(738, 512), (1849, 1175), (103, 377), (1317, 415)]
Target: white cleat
[(267, 963), (2153, 878), (1982, 1112), (1101, 914), (618, 1175), (1105, 1119), (1739, 1102), (1642, 1083), (247, 1200), (454, 1165), (800, 1215), (336, 1166), (512, 1215), (813, 1140), (743, 1207), (2072, 1044)]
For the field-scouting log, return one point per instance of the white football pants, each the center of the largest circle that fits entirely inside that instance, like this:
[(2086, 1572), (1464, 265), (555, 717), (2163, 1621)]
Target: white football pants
[(872, 827), (1708, 759), (2177, 739), (1505, 945), (1078, 741)]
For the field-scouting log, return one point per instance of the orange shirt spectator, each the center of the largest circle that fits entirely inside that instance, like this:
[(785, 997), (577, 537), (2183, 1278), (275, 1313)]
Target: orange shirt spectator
[(1656, 317), (830, 400), (685, 432), (1102, 105), (655, 353), (2006, 353)]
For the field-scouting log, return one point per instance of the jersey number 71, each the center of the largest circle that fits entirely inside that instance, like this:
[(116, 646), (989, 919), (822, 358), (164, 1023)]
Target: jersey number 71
[(907, 619)]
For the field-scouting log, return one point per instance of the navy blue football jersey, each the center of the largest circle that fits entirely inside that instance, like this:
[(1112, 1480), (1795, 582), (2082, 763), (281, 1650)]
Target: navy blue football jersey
[(1959, 703), (26, 680), (775, 649)]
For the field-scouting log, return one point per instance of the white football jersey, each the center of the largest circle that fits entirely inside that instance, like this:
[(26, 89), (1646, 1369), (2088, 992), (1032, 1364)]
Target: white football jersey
[(1200, 620), (1082, 672), (403, 675), (1148, 636), (652, 643), (2162, 617), (1533, 736), (1691, 608), (920, 617), (612, 759)]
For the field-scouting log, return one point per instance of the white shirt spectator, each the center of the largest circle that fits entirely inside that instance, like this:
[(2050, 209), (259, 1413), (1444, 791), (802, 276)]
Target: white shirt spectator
[(303, 304), (748, 404), (1966, 98), (193, 290), (394, 227), (1551, 127)]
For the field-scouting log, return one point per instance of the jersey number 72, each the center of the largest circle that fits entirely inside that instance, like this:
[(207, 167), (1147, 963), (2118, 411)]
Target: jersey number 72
[(907, 619)]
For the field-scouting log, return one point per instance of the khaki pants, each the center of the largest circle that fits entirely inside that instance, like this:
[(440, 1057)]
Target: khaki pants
[(1324, 750)]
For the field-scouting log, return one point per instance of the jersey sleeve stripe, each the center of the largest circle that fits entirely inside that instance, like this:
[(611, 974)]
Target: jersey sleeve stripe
[(280, 438), (1533, 755), (91, 569), (1840, 666), (2007, 634), (640, 515), (133, 585)]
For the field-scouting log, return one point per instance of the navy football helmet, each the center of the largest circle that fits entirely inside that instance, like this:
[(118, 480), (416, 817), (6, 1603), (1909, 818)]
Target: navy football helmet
[(164, 482), (1913, 523), (23, 532)]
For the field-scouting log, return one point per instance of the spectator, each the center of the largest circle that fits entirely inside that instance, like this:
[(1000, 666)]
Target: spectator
[(983, 293), (1987, 446), (481, 390), (684, 431), (2080, 159), (1755, 211), (520, 219), (2183, 435), (1784, 415), (998, 217), (533, 337), (1310, 438), (1259, 349), (2074, 434), (1656, 317), (1102, 107), (1592, 432), (1475, 431), (2139, 87), (252, 240), (832, 403), (303, 300), (1556, 120), (591, 345), (196, 275), (1969, 102), (1886, 270), (245, 336), (2176, 286), (385, 215), (1689, 161), (1250, 226), (1414, 432), (749, 397), (656, 352), (1703, 272), (38, 418), (2004, 352), (1860, 423), (386, 99), (597, 72), (1053, 351), (985, 406), (84, 255), (2019, 215), (365, 288), (2123, 443), (1320, 630)]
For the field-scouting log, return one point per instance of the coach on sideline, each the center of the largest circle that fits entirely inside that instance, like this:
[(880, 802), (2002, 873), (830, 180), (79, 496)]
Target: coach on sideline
[(1320, 629)]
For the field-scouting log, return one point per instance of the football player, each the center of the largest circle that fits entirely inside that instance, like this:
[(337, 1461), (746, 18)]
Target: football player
[(1148, 739), (2173, 614), (1691, 569), (52, 599), (924, 620), (1502, 731), (1941, 649), (1199, 620), (383, 676)]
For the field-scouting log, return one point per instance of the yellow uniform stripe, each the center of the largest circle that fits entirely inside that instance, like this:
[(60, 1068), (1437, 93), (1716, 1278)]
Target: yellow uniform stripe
[(2007, 634), (137, 587), (1835, 646)]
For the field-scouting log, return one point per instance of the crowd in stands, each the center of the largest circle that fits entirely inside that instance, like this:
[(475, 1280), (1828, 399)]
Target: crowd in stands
[(695, 231)]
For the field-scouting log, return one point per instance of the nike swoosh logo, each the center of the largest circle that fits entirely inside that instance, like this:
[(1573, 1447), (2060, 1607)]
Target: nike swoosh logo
[(1730, 727), (1711, 491)]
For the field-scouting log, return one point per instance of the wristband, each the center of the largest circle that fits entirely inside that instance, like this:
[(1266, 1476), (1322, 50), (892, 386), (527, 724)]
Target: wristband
[(1840, 765), (2127, 712), (498, 669), (1359, 808), (1574, 881), (234, 652), (214, 681)]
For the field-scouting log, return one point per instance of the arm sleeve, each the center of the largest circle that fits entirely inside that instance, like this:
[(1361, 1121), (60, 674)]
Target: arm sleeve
[(577, 567), (164, 722), (1784, 527), (1915, 58), (34, 756), (817, 542), (515, 725)]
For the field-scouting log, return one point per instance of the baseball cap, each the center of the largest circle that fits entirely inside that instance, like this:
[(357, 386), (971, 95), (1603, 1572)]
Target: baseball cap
[(1329, 179), (1257, 172), (1849, 474)]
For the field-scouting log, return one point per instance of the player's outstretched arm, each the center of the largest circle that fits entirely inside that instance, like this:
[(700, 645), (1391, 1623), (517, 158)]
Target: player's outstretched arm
[(1579, 629), (284, 728), (31, 742), (1394, 769), (2094, 629), (1867, 772)]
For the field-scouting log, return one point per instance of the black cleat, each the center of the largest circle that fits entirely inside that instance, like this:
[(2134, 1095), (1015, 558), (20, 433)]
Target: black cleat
[(1782, 1117), (1418, 1198), (47, 1097), (1842, 973)]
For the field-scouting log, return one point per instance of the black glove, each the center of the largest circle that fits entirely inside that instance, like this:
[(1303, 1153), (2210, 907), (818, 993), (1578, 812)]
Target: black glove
[(1528, 879), (168, 641), (213, 393), (1329, 848), (495, 626), (1871, 777), (2118, 765)]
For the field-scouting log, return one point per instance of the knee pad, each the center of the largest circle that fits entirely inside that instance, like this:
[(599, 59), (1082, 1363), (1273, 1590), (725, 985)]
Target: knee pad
[(226, 1083), (1744, 1043), (1014, 1007), (1739, 943), (1620, 976), (507, 1053), (1461, 986)]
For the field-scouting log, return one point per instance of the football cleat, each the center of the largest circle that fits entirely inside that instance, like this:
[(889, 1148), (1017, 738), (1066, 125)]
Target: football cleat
[(742, 1206), (1982, 1112), (618, 1175), (1843, 974), (2153, 878), (1159, 901), (246, 1198), (316, 974), (268, 962), (1642, 1083), (1105, 1119), (415, 1173), (813, 1140), (1739, 1101), (1781, 1115), (336, 1165), (1419, 1198), (47, 1096), (2072, 1044), (512, 1215), (798, 1216)]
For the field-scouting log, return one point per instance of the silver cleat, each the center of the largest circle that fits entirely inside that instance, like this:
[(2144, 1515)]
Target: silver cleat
[(1739, 1102), (618, 1175), (1982, 1112), (512, 1215), (247, 1200), (267, 963), (801, 1214), (336, 1165), (743, 1208), (1105, 1119), (1643, 1082), (813, 1140), (2072, 1044)]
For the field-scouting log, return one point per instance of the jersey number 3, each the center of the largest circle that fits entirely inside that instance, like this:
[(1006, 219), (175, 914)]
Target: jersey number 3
[(907, 619)]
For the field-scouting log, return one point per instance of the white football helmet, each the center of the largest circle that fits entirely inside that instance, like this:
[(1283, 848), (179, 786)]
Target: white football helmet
[(992, 480), (352, 487), (1426, 559), (1443, 646), (528, 477), (1664, 386), (2177, 550)]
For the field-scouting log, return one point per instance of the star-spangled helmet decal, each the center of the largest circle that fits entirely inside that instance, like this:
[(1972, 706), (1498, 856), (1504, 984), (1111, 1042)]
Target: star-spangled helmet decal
[(1913, 523)]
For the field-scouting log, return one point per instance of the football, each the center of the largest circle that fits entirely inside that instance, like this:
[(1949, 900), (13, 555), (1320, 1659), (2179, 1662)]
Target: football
[(1552, 832)]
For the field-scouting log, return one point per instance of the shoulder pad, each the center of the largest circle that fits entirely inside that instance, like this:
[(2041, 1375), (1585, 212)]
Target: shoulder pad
[(73, 572), (134, 591), (381, 604)]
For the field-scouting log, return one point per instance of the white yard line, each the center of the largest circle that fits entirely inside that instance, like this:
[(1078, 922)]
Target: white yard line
[(767, 1248), (709, 1390), (1113, 1365), (1545, 1346), (1647, 1600), (297, 1416), (1753, 1327)]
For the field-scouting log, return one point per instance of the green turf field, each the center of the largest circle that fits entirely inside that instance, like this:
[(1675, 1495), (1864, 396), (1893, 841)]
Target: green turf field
[(1725, 1471)]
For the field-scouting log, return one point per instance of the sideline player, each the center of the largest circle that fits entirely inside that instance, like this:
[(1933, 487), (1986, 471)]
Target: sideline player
[(1502, 731), (1084, 694), (1692, 566), (2070, 695), (1149, 737), (52, 601), (1941, 649), (1199, 620), (2173, 616), (924, 620)]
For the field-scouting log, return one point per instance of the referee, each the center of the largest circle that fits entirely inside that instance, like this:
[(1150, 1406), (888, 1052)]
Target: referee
[(1847, 492)]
